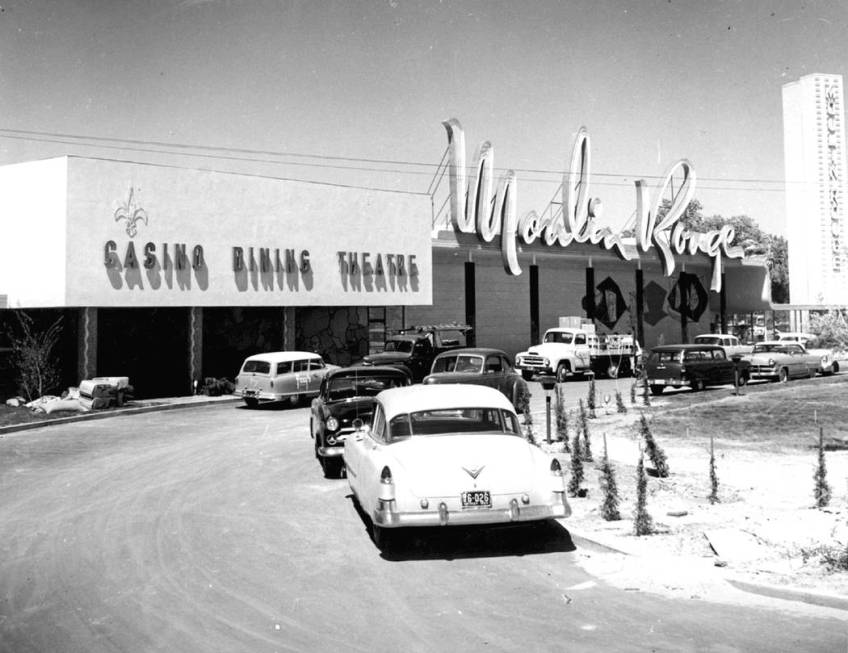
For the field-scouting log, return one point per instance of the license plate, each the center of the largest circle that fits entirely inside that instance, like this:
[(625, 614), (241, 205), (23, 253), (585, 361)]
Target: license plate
[(251, 393), (476, 499)]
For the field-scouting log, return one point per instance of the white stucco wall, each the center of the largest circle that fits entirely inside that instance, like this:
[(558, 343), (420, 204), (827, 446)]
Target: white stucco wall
[(219, 212), (33, 199)]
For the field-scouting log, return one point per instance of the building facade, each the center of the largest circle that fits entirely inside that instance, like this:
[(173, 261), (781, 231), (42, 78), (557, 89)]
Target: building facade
[(814, 156), (171, 275)]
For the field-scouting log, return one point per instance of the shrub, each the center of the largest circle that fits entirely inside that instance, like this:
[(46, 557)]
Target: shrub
[(561, 419), (821, 491), (216, 387), (619, 403), (642, 522), (32, 356), (713, 497), (528, 425), (609, 487), (586, 449), (576, 479), (591, 397), (655, 452)]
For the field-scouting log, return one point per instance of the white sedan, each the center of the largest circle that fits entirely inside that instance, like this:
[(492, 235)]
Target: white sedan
[(450, 454)]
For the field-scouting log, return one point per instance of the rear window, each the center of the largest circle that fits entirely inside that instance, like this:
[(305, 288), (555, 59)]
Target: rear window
[(257, 367), (454, 421), (460, 363), (664, 357)]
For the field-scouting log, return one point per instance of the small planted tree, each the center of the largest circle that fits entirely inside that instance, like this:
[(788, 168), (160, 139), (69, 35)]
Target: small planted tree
[(33, 358), (821, 491), (576, 479), (619, 403), (528, 424), (655, 452), (642, 522), (591, 397), (561, 419), (633, 385), (713, 497), (583, 426), (609, 488)]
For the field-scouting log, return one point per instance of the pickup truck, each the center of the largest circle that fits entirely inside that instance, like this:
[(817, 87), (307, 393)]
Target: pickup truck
[(729, 343), (415, 348), (566, 351)]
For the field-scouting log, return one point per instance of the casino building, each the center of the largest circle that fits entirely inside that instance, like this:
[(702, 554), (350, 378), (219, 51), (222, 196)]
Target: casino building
[(170, 275)]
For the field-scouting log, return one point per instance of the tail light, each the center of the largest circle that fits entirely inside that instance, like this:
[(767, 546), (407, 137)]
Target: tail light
[(387, 486)]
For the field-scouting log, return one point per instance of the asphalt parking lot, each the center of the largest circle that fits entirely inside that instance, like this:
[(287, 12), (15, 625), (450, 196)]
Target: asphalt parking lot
[(212, 528)]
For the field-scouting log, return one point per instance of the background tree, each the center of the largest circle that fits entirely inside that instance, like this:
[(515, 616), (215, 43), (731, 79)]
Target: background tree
[(753, 240), (32, 356), (831, 329)]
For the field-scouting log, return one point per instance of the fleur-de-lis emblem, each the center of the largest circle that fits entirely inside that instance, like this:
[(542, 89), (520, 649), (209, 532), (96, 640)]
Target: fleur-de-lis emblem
[(132, 214)]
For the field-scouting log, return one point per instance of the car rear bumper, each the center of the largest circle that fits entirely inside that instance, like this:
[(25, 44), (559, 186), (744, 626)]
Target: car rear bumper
[(388, 517), (670, 383)]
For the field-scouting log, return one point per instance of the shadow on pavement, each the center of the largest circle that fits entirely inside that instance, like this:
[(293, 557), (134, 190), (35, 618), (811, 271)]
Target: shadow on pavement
[(456, 542)]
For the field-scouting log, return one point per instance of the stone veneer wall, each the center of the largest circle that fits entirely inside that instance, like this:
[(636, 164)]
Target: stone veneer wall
[(339, 334)]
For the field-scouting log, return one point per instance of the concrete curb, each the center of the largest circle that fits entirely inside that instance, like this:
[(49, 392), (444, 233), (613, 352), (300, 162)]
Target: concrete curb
[(834, 601), (115, 412), (821, 599)]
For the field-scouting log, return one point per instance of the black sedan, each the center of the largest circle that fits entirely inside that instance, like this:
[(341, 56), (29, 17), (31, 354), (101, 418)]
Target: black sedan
[(480, 366), (346, 395)]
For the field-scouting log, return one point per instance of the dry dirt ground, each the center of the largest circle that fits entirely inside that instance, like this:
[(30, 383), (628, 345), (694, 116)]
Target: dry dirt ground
[(764, 529)]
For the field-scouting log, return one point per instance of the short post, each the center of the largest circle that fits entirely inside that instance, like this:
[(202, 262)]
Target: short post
[(548, 383)]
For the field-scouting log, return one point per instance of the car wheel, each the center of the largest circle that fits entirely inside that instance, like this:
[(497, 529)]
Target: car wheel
[(562, 371), (782, 375), (657, 389), (331, 466), (835, 368), (384, 538), (251, 403)]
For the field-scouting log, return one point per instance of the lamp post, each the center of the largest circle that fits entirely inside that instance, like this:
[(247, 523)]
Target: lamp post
[(548, 383)]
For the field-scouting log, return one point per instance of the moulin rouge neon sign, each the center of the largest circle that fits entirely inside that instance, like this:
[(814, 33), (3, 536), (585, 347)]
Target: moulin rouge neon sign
[(471, 196)]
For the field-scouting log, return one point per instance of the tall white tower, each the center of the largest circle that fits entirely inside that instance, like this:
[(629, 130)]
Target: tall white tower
[(814, 161)]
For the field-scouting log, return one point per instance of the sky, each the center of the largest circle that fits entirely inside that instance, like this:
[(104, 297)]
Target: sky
[(354, 92)]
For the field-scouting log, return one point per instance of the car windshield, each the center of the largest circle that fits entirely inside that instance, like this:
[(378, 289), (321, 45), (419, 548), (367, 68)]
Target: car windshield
[(463, 363), (454, 421), (399, 345), (558, 336), (257, 367), (764, 348), (346, 387)]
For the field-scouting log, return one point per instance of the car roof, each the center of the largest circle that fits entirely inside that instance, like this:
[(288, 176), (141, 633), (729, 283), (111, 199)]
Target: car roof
[(397, 401), (781, 343), (480, 351), (368, 371), (714, 335), (283, 356), (684, 346)]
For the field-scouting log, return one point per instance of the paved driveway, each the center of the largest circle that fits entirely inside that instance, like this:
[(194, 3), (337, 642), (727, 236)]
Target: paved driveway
[(212, 529)]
